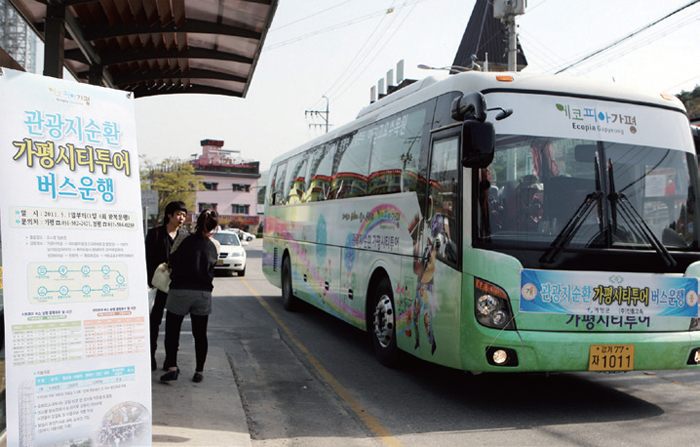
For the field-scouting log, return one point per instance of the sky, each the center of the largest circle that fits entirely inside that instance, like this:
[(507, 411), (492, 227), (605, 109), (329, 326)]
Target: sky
[(341, 48)]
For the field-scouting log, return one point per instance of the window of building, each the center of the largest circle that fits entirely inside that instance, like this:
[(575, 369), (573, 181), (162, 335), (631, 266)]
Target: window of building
[(239, 187), (205, 206), (211, 186), (239, 209)]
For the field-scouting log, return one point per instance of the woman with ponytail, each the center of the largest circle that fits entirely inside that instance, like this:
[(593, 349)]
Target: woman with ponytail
[(192, 278)]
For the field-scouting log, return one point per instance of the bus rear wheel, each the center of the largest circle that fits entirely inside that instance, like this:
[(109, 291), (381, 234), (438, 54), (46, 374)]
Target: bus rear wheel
[(383, 325), (289, 301)]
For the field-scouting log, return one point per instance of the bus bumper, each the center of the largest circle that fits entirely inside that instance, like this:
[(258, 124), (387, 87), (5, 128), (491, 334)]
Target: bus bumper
[(569, 351)]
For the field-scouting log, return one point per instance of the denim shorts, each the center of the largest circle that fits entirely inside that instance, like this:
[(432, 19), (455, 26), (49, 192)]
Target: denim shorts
[(183, 302)]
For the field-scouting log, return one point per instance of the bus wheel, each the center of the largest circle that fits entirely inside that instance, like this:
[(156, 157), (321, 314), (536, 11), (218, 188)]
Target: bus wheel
[(384, 325), (289, 301)]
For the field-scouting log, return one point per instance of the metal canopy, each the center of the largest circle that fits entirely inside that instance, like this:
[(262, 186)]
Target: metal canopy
[(153, 47)]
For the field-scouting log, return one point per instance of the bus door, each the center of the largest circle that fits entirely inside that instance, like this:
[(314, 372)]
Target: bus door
[(436, 307)]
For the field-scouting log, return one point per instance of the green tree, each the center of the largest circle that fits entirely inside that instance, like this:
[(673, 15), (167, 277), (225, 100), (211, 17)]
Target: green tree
[(691, 100), (174, 179)]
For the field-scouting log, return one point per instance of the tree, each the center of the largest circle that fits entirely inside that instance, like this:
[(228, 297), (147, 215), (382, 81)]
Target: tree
[(691, 100), (174, 179)]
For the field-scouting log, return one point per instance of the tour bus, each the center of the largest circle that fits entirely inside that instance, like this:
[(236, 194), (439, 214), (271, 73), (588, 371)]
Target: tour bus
[(499, 222)]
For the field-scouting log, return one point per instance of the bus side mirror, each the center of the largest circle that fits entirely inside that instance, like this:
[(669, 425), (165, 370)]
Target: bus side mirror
[(478, 142), (471, 106)]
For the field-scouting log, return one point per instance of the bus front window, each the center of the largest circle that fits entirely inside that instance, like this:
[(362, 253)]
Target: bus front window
[(609, 193)]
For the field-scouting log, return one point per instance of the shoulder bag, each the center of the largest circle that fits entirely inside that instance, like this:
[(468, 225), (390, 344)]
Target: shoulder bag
[(161, 278)]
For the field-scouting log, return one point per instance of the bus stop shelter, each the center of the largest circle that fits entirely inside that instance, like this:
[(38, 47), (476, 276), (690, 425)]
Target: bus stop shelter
[(153, 47)]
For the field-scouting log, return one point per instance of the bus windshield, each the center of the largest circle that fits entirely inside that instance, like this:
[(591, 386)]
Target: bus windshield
[(586, 194)]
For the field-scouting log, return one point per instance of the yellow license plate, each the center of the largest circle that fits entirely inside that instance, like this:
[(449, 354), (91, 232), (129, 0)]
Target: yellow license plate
[(219, 261), (611, 358)]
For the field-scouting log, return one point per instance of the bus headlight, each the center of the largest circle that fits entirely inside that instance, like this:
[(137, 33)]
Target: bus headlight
[(492, 305)]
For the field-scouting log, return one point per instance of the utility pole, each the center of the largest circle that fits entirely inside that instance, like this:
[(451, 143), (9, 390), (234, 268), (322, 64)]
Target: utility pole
[(506, 10), (512, 44), (325, 116)]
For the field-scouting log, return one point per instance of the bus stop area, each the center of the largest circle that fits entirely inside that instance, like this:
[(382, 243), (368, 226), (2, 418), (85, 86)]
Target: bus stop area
[(209, 413)]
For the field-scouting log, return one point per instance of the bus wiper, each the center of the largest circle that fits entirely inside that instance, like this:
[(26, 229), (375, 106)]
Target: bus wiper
[(634, 220), (576, 221), (639, 227), (572, 226)]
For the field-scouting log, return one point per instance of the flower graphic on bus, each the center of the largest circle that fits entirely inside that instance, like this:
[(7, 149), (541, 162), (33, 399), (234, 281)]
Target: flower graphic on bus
[(350, 254), (321, 239)]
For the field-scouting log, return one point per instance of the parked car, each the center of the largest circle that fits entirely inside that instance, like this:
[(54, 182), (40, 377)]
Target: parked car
[(232, 255), (248, 236), (244, 235)]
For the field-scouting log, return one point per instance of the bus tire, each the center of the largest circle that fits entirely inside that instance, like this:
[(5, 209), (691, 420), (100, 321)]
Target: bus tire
[(289, 301), (383, 324)]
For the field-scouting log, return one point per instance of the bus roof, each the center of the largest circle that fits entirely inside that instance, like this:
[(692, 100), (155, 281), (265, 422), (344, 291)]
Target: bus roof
[(484, 82)]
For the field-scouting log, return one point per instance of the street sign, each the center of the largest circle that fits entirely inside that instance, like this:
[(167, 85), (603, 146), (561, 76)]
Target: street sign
[(149, 200)]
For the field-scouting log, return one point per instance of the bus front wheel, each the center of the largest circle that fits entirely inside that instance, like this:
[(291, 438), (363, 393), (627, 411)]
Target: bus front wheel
[(384, 324), (289, 301)]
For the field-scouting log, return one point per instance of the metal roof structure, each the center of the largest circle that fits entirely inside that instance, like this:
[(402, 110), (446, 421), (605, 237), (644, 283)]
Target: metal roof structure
[(486, 35), (153, 47)]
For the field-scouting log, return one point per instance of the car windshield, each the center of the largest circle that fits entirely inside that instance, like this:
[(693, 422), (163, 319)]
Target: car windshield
[(585, 193), (227, 239)]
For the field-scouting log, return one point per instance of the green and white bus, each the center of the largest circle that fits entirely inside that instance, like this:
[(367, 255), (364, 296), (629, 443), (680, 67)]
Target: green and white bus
[(499, 222)]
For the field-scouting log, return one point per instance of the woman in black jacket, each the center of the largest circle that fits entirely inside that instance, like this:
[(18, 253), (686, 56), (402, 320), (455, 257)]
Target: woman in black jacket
[(192, 276)]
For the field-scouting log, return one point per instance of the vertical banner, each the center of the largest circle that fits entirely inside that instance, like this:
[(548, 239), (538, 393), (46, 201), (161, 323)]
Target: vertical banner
[(76, 310)]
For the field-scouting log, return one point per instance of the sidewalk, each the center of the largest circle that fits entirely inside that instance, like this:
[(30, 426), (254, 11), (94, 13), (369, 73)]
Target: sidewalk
[(209, 413)]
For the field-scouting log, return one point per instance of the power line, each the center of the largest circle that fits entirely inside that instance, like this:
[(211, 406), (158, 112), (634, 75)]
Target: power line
[(337, 26), (277, 28), (348, 73), (551, 59), (364, 67), (632, 46), (629, 36)]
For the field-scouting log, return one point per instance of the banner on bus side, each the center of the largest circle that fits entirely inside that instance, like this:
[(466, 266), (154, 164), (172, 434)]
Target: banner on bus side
[(608, 293)]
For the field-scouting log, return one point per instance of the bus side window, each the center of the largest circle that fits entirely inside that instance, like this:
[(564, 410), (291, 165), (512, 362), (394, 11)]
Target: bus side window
[(444, 198), (352, 159), (319, 184), (396, 146), (297, 179), (277, 186)]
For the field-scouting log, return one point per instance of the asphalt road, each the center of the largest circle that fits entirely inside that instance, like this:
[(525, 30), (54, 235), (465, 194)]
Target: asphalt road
[(308, 379)]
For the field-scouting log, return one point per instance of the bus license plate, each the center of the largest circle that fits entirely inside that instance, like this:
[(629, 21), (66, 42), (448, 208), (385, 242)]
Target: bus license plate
[(611, 358)]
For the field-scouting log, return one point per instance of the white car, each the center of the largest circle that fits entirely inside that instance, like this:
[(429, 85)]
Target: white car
[(232, 255), (244, 235)]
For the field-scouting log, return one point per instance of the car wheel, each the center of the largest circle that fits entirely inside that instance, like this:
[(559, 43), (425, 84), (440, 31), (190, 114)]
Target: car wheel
[(383, 324), (289, 301), (242, 272)]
